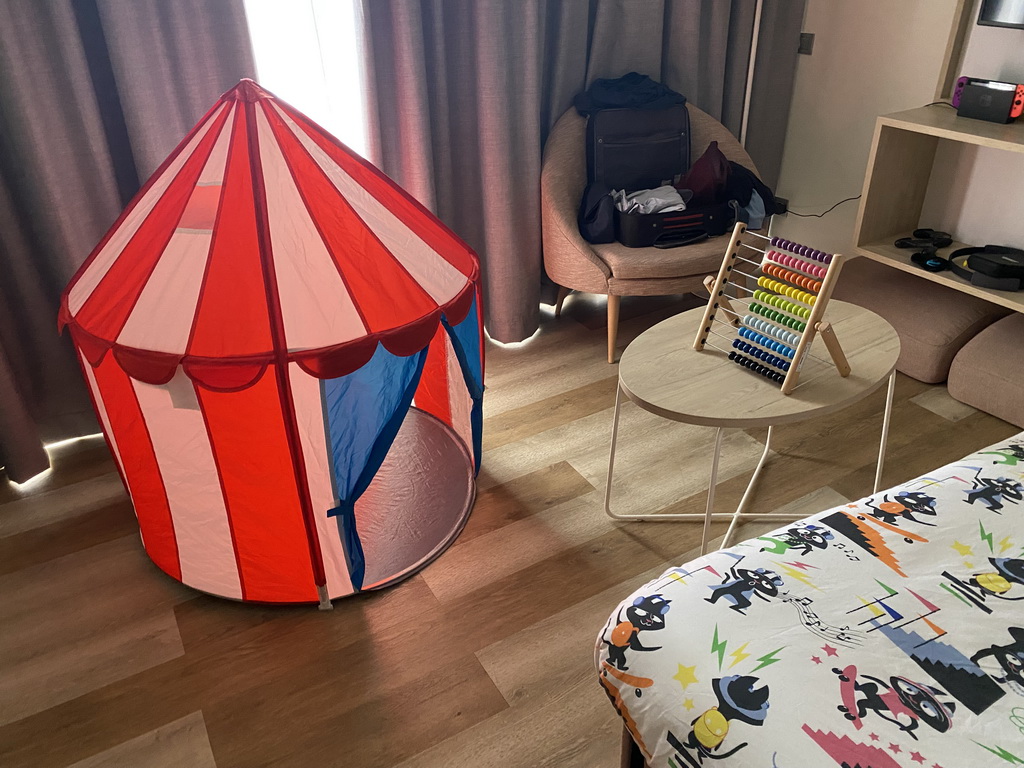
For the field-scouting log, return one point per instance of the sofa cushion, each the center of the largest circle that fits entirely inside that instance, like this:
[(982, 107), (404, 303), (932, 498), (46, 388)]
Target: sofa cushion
[(631, 263), (933, 321), (986, 372)]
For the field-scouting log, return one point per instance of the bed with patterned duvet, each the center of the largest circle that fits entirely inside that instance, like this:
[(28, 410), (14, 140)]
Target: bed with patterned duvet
[(885, 633)]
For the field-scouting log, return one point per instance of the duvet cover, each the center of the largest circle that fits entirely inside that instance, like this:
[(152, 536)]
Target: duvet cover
[(885, 633)]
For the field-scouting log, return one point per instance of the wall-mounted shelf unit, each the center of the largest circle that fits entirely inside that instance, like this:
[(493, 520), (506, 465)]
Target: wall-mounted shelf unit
[(898, 175)]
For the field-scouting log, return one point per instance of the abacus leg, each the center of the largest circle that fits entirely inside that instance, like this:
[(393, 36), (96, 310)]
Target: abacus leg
[(885, 431)]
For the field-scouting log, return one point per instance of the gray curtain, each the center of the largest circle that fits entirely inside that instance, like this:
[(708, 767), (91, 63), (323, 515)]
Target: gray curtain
[(93, 95), (461, 95)]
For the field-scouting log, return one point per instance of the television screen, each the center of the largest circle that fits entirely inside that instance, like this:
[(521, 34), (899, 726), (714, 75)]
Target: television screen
[(1002, 13)]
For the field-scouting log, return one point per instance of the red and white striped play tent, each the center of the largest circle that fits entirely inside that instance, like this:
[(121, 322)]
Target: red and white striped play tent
[(285, 354)]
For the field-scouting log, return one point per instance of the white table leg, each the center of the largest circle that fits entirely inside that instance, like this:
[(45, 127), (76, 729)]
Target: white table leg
[(709, 511), (611, 470), (611, 455), (708, 514), (749, 492), (885, 431)]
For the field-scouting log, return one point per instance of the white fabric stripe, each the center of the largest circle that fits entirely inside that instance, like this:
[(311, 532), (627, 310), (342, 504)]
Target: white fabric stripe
[(162, 318), (217, 162), (459, 400), (101, 407), (106, 257), (182, 448), (436, 276), (309, 414), (315, 303)]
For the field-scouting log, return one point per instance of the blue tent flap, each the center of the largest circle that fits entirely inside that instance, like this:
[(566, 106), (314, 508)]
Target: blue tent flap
[(363, 413), (465, 338)]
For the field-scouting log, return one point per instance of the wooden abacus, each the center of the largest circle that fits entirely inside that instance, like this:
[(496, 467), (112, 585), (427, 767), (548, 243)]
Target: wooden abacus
[(772, 332)]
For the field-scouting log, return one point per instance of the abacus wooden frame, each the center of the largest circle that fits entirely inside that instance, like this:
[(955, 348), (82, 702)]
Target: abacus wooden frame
[(814, 323)]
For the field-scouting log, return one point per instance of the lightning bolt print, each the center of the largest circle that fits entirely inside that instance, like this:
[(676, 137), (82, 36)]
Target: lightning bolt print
[(739, 655), (793, 573), (1009, 757), (1005, 544), (802, 566), (768, 658), (719, 648), (985, 536)]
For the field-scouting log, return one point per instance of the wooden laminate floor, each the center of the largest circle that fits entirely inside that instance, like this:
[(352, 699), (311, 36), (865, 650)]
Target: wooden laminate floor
[(483, 659)]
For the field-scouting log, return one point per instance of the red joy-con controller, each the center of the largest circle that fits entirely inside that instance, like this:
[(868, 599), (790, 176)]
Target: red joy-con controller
[(958, 89), (1018, 102)]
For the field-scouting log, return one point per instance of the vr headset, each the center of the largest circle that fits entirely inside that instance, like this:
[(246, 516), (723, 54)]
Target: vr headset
[(998, 267)]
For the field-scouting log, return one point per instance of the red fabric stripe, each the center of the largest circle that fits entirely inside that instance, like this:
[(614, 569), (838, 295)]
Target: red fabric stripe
[(141, 471), (232, 318), (280, 342), (109, 305), (421, 221), (433, 392), (250, 446), (383, 291)]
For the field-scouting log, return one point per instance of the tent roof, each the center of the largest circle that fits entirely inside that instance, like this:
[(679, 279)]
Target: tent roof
[(263, 239)]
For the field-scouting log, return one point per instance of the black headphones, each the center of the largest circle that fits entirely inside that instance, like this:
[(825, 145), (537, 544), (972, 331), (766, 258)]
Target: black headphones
[(959, 262)]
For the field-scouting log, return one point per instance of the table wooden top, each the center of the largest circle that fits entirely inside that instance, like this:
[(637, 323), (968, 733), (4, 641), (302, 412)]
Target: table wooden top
[(662, 373)]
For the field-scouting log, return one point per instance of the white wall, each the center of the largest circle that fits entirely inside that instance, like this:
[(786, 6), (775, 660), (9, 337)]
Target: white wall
[(978, 194), (870, 57)]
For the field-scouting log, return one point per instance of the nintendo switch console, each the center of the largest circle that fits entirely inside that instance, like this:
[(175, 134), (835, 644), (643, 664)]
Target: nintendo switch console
[(990, 100)]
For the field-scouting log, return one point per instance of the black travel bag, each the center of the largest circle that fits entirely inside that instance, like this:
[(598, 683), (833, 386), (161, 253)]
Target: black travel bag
[(669, 230), (637, 148)]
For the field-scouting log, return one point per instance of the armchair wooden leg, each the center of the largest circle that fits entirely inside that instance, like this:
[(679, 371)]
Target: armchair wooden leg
[(563, 292), (613, 325)]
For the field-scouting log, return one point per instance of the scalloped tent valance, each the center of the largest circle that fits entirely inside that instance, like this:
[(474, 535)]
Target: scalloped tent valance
[(254, 328)]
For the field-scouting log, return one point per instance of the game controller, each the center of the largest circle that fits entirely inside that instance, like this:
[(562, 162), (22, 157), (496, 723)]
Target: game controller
[(959, 89), (1018, 102)]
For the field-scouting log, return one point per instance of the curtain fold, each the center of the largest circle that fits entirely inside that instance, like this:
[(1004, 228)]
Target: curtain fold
[(93, 94), (462, 93)]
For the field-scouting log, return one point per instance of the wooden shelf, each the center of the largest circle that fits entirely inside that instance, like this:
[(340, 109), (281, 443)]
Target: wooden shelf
[(899, 258), (944, 123), (903, 154)]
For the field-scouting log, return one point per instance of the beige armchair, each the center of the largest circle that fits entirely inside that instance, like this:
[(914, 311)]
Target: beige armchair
[(612, 268)]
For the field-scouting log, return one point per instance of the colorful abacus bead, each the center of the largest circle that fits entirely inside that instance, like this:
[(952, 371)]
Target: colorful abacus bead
[(746, 362)]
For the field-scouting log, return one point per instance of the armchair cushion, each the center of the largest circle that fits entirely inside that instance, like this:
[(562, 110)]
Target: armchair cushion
[(640, 263)]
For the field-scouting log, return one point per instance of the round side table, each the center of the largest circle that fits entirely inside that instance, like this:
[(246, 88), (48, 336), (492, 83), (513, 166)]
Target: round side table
[(662, 373)]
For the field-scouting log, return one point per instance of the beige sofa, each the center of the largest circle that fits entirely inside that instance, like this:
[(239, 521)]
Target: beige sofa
[(613, 269)]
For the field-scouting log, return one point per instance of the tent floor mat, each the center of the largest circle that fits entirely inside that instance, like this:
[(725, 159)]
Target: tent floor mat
[(418, 502)]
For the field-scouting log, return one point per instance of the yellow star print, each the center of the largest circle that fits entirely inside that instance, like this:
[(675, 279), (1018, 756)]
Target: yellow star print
[(686, 676), (688, 703), (962, 549)]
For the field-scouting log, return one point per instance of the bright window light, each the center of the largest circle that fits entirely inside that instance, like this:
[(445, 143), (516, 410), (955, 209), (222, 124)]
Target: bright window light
[(70, 440), (307, 53), (35, 480), (511, 344)]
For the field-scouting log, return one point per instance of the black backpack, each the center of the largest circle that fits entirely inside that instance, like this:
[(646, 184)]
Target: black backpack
[(596, 217), (637, 148)]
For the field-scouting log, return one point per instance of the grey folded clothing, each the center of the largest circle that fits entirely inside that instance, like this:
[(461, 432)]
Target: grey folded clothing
[(661, 200)]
